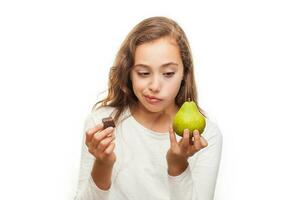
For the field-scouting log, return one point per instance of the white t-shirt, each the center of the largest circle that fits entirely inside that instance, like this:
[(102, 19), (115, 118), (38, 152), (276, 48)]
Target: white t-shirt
[(140, 171)]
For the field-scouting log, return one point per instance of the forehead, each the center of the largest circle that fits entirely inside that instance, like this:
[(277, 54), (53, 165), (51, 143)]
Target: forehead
[(157, 52)]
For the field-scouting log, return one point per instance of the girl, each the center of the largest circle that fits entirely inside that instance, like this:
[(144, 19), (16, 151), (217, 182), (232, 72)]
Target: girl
[(142, 158)]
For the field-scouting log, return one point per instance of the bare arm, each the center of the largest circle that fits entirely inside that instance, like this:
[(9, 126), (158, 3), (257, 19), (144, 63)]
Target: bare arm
[(97, 149), (100, 144), (101, 175)]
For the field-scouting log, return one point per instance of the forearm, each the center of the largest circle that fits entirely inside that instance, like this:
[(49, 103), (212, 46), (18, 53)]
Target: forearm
[(101, 175)]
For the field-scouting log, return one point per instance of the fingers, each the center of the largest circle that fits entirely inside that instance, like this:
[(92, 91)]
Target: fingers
[(90, 133), (199, 141), (173, 140), (204, 142), (110, 148), (103, 144), (99, 136), (185, 139)]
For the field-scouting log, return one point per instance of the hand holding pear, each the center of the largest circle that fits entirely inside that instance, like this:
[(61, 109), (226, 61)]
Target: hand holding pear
[(188, 117)]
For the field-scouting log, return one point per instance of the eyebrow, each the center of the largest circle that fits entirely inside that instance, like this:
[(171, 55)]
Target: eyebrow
[(164, 65)]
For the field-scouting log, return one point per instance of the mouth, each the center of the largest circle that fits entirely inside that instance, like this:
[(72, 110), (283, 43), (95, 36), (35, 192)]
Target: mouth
[(152, 99)]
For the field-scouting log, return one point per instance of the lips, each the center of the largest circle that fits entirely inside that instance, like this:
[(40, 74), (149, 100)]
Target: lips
[(152, 99)]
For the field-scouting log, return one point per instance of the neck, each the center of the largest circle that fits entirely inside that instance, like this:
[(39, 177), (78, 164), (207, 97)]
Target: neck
[(150, 119)]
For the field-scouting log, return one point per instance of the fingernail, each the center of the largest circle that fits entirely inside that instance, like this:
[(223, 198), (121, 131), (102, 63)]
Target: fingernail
[(186, 133)]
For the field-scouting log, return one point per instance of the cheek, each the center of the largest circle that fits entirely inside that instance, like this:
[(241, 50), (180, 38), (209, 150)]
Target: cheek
[(172, 87), (137, 84)]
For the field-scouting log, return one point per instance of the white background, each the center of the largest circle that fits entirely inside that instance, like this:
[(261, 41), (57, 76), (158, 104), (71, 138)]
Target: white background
[(55, 57)]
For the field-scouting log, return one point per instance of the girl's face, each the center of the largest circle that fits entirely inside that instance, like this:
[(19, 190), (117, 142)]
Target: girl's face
[(157, 74)]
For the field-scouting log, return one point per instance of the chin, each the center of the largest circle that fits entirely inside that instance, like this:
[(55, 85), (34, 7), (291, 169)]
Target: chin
[(153, 108)]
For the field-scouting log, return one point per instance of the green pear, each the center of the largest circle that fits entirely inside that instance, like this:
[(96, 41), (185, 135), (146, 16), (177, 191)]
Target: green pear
[(188, 117)]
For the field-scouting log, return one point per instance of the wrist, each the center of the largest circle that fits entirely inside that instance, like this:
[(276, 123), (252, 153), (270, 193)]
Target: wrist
[(175, 169), (106, 164)]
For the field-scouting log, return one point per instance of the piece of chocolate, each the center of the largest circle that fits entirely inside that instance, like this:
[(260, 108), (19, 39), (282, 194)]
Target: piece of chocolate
[(107, 122)]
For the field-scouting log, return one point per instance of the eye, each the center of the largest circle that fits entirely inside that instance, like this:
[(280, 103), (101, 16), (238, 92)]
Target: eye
[(169, 74), (143, 74)]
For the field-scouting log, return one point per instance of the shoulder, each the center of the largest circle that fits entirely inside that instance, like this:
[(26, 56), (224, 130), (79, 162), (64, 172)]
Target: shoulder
[(102, 112), (212, 131)]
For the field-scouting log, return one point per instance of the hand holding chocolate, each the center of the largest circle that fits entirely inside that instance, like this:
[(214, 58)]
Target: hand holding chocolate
[(107, 122)]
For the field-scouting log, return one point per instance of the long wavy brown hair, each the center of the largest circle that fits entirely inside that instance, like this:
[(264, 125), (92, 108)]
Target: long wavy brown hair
[(120, 92)]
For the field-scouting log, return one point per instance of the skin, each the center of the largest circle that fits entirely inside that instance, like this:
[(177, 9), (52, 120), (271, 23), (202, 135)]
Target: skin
[(150, 76), (158, 72), (100, 144)]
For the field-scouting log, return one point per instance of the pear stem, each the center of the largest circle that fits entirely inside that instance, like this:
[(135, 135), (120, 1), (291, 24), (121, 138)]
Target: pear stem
[(189, 99)]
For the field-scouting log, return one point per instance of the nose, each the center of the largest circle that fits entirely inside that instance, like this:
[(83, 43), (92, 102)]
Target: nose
[(154, 85)]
